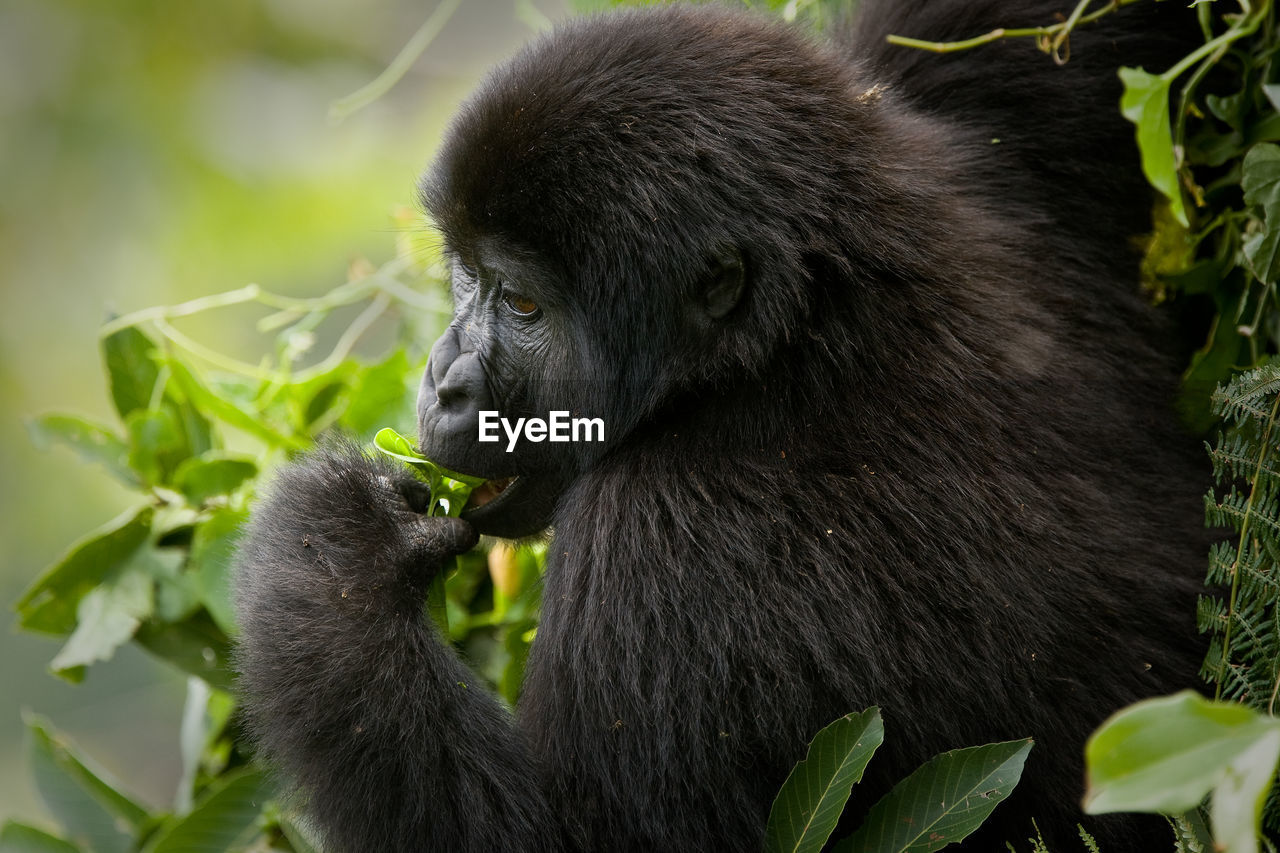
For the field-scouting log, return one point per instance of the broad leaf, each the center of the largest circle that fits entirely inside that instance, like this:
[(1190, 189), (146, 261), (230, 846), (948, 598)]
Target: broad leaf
[(131, 371), (1146, 103), (18, 837), (225, 818), (1261, 184), (107, 618), (382, 394), (212, 474), (204, 719), (225, 410), (91, 441), (942, 802), (212, 553), (49, 605), (1272, 91), (1167, 754), (157, 443), (86, 801), (177, 589), (196, 645), (811, 800)]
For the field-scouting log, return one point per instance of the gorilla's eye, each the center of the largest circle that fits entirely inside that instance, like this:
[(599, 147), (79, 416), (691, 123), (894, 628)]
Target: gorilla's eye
[(522, 305)]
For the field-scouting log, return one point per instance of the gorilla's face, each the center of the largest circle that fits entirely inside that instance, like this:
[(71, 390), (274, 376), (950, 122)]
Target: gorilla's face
[(521, 349), (493, 364)]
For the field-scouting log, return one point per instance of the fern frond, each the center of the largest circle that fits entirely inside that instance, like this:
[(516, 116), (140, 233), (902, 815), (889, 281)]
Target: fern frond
[(1262, 514), (1250, 395), (1211, 614), (1241, 612), (1236, 457)]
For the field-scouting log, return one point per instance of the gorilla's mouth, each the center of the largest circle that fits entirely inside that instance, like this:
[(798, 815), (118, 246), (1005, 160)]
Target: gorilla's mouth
[(491, 489), (514, 507)]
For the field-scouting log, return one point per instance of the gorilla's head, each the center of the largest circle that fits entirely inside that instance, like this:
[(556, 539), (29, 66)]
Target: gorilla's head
[(633, 213)]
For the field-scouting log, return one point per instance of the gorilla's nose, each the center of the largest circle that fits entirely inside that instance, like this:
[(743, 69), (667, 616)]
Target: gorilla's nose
[(455, 378)]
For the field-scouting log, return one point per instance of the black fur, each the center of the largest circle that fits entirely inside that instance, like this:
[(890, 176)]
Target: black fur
[(928, 463)]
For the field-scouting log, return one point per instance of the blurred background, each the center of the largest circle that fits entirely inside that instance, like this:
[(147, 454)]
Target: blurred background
[(152, 152)]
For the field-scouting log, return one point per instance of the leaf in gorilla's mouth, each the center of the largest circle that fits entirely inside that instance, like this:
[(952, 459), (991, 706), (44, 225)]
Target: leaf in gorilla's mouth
[(481, 495), (449, 490)]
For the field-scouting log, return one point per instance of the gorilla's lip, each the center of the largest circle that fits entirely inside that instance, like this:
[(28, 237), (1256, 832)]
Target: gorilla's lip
[(522, 507), (488, 492), (493, 499)]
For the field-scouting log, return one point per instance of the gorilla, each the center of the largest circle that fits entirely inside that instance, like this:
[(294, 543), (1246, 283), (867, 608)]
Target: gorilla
[(887, 422)]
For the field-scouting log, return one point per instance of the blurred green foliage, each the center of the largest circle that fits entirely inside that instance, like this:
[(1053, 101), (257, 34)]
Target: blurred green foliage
[(160, 574), (155, 152)]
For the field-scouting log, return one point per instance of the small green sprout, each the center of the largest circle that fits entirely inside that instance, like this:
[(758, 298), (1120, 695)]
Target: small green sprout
[(449, 490)]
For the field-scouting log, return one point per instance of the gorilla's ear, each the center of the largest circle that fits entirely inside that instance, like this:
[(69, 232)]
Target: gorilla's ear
[(725, 282)]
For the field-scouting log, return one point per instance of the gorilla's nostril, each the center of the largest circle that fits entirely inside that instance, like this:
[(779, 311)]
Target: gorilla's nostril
[(450, 394)]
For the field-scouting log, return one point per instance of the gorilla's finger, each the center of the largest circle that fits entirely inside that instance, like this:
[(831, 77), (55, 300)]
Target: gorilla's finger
[(433, 539)]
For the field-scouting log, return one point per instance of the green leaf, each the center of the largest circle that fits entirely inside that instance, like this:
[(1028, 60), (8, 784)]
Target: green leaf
[(383, 393), (131, 370), (811, 800), (1167, 754), (195, 426), (394, 444), (85, 801), (212, 474), (18, 837), (943, 801), (204, 718), (445, 484), (1209, 367), (317, 402), (226, 818), (107, 618), (227, 411), (1226, 108), (196, 646), (1261, 184), (157, 443), (91, 441), (212, 553), (49, 605), (1146, 103), (1272, 91), (177, 590)]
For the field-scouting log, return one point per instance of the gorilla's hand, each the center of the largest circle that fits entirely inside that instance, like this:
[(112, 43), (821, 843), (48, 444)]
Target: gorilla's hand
[(348, 687), (355, 527)]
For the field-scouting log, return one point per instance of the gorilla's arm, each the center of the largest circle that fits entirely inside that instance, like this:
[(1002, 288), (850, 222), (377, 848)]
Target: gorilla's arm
[(392, 740)]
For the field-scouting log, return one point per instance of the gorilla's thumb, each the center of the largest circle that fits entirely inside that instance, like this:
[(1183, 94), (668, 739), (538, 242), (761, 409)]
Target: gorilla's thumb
[(433, 539)]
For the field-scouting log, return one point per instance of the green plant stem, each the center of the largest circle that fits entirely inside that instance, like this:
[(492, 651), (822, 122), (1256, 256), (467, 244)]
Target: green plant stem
[(383, 280), (1188, 90), (354, 332), (1241, 545), (340, 351), (248, 293), (1056, 32), (1062, 38), (304, 312), (217, 359), (1246, 24), (399, 66)]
